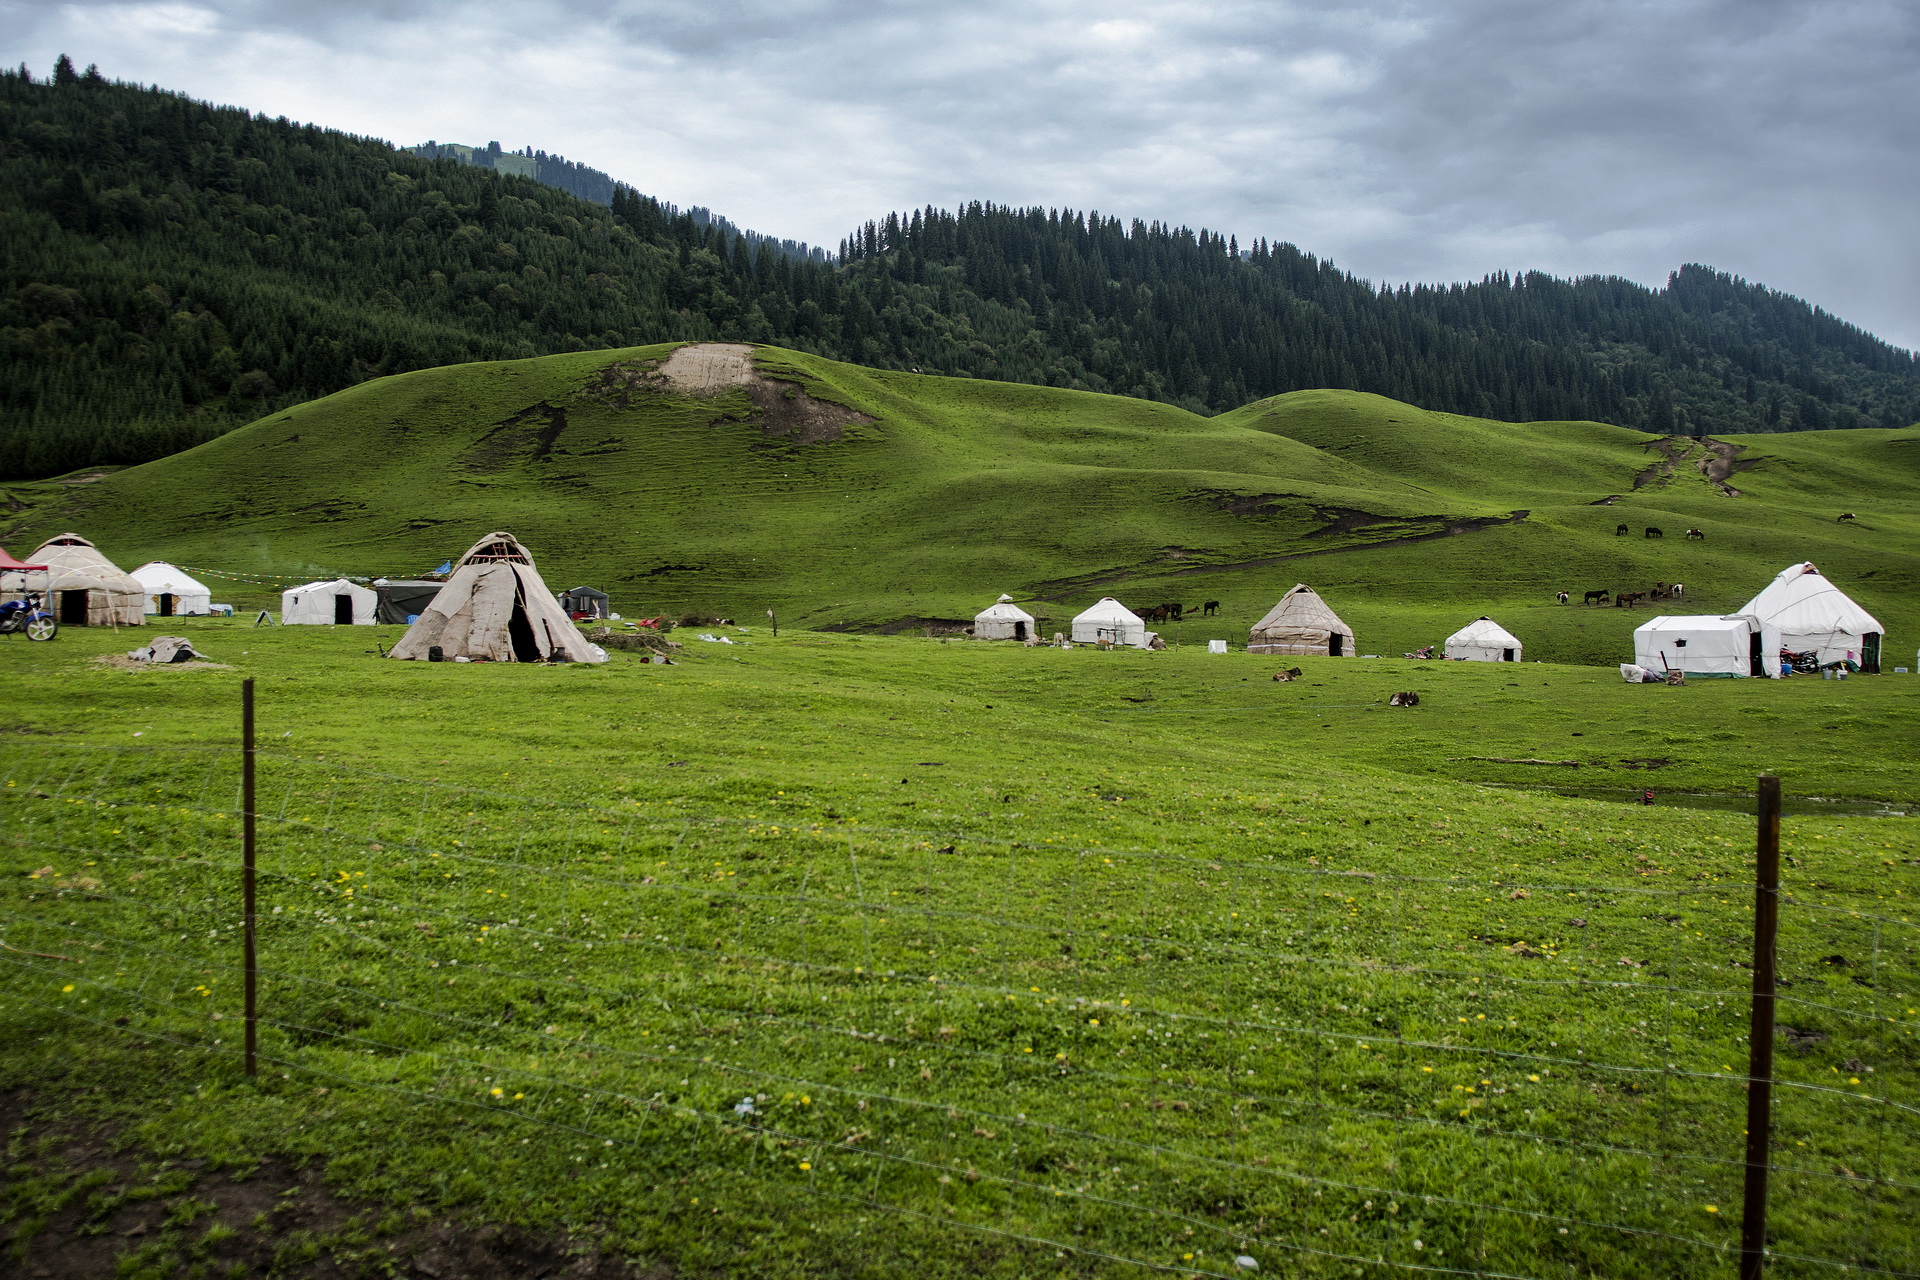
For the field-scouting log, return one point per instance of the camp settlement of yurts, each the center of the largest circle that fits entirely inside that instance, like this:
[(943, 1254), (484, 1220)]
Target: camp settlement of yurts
[(171, 592), (321, 603), (1302, 624), (495, 608), (1003, 620), (84, 588), (1110, 622), (1482, 640), (1707, 645), (1810, 612)]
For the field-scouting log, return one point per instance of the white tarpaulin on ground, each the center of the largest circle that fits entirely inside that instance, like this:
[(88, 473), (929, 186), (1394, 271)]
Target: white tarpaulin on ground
[(1110, 622), (1483, 640), (319, 603), (1707, 645), (1811, 613), (1004, 620), (171, 593)]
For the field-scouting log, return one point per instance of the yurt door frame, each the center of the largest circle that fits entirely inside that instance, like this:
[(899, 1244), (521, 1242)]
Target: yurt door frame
[(73, 607), (1870, 653), (1336, 644), (164, 601), (1019, 630), (1506, 655), (343, 609)]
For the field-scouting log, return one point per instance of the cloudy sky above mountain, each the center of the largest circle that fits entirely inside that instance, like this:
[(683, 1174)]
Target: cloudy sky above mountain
[(1436, 140)]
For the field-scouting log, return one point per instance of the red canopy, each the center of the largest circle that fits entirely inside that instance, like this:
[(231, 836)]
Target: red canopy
[(8, 562)]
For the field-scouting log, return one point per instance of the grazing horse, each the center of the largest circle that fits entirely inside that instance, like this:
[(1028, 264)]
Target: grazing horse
[(1654, 533), (1406, 698), (1291, 673), (1620, 531), (1846, 515), (1156, 614), (1694, 535), (1561, 596), (1210, 608), (1592, 596), (1627, 599), (1677, 590)]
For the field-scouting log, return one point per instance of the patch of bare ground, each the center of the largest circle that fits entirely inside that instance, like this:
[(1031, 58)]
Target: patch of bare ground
[(1718, 461), (121, 662), (784, 412), (904, 626), (81, 1204), (1722, 462)]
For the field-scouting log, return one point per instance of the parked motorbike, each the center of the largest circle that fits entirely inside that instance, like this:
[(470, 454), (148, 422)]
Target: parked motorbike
[(1800, 663), (29, 617), (1425, 651)]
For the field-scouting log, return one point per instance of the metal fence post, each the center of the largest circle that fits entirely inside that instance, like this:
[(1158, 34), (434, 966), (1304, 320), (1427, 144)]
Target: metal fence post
[(248, 957), (1766, 931)]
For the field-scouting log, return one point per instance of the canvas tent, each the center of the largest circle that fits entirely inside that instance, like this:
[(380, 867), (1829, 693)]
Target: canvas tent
[(1734, 644), (1483, 640), (403, 600), (80, 586), (585, 602), (1811, 613), (1004, 620), (170, 592), (322, 603), (1302, 624), (495, 607), (1110, 622)]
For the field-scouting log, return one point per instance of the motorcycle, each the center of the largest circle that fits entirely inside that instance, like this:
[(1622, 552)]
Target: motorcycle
[(29, 617), (1800, 663), (1423, 652)]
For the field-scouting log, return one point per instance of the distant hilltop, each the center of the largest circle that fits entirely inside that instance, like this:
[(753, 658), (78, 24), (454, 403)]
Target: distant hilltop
[(591, 184)]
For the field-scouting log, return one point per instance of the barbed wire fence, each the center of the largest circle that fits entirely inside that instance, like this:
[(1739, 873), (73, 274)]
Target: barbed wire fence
[(1135, 1058)]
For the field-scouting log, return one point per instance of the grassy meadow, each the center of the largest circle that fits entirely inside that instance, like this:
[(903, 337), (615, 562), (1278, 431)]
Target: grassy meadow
[(951, 491), (860, 955)]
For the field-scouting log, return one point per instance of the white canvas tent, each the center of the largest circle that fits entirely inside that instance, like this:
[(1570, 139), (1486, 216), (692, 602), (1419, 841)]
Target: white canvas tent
[(1811, 613), (1302, 624), (171, 592), (1734, 644), (1483, 640), (495, 607), (83, 588), (322, 603), (1004, 620), (1110, 622)]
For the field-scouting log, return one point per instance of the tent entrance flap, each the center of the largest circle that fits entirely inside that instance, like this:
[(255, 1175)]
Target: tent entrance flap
[(343, 610), (1336, 645), (73, 608), (520, 631), (1020, 631), (1756, 659), (1870, 653), (165, 601)]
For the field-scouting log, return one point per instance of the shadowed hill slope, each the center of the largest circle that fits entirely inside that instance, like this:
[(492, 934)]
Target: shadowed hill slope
[(737, 479)]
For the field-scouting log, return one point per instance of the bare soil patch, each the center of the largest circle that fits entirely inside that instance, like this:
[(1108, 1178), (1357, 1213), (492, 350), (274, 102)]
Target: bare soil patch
[(121, 662), (782, 410)]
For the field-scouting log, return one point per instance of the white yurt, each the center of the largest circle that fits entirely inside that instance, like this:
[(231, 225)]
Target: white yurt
[(323, 603), (1811, 613), (495, 608), (1483, 640), (1302, 624), (1734, 644), (171, 591), (1004, 620), (1110, 622), (84, 588)]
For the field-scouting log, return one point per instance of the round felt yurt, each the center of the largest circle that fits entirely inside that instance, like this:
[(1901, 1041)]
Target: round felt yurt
[(1302, 625), (84, 588), (171, 592), (1482, 640), (1110, 622), (495, 608), (1003, 620)]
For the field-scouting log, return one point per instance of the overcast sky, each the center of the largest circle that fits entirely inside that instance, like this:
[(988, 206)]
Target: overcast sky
[(1437, 140)]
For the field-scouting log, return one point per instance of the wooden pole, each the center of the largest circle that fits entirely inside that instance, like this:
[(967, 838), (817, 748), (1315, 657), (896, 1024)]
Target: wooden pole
[(248, 957), (1766, 931)]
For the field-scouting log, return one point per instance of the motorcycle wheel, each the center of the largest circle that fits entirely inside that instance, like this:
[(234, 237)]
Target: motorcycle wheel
[(42, 628)]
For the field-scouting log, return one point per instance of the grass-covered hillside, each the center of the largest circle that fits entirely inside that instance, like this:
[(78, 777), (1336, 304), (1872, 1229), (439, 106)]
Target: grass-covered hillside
[(849, 497)]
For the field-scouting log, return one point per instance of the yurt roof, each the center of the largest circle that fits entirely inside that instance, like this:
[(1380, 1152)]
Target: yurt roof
[(1485, 631), (1800, 600), (330, 583), (84, 563), (1302, 609), (585, 591), (1107, 609), (1004, 608), (1673, 622), (158, 573)]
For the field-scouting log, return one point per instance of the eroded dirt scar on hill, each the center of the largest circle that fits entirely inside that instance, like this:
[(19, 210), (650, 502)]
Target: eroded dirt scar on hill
[(1718, 461), (111, 1209), (784, 412)]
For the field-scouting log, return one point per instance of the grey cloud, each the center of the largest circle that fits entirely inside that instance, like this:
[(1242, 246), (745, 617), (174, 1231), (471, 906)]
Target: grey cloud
[(1429, 141)]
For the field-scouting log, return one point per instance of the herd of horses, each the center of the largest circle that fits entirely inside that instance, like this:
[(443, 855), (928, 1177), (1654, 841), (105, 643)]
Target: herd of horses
[(1174, 611), (1654, 531)]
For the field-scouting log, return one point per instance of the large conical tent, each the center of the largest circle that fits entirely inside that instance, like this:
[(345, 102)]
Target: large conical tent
[(1302, 624), (1811, 613), (84, 588), (495, 607), (1483, 640), (1003, 620)]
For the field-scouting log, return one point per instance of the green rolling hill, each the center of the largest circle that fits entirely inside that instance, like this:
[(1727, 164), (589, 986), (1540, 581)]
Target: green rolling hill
[(849, 497)]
